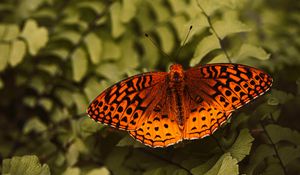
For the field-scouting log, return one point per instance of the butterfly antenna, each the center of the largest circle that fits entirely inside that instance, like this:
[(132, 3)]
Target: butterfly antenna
[(159, 48), (184, 41)]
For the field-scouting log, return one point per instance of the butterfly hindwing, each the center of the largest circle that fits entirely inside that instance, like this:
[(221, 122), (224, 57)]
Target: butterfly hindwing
[(125, 105), (203, 121), (158, 131)]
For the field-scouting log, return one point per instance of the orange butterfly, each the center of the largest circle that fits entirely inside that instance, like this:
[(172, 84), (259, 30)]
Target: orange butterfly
[(160, 109)]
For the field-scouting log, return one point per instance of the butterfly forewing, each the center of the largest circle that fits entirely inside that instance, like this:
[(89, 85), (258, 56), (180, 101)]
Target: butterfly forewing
[(126, 104), (226, 87), (216, 90)]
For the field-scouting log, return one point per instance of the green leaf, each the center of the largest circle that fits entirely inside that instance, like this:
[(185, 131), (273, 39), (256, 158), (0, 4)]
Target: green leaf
[(72, 171), (87, 126), (273, 101), (178, 6), (220, 58), (1, 84), (129, 141), (26, 7), (80, 102), (161, 13), (145, 17), (116, 158), (273, 169), (4, 55), (117, 27), (229, 25), (281, 97), (156, 171), (61, 53), (30, 101), (166, 37), (17, 53), (199, 23), (59, 114), (79, 64), (110, 71), (242, 145), (65, 96), (209, 6), (96, 6), (99, 171), (60, 159), (34, 124), (258, 156), (151, 56), (36, 37), (9, 32), (68, 35), (224, 166), (93, 88), (180, 26), (233, 4), (51, 69), (26, 165), (74, 151), (72, 155), (203, 168), (94, 47), (205, 46), (128, 11), (248, 50), (38, 84), (111, 50), (168, 169), (278, 133), (130, 58), (45, 13), (46, 103), (289, 154)]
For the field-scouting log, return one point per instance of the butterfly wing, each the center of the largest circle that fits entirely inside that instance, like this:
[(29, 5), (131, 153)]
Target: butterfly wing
[(158, 131), (126, 104), (216, 90), (160, 128), (227, 87), (204, 121)]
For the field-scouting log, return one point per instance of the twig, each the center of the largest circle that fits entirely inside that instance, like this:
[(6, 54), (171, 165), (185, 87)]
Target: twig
[(214, 31), (166, 160), (275, 149)]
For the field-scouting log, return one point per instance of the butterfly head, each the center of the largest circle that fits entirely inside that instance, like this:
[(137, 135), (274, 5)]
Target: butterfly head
[(176, 73)]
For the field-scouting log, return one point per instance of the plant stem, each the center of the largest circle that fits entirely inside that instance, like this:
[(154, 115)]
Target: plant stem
[(214, 32), (168, 161), (275, 149)]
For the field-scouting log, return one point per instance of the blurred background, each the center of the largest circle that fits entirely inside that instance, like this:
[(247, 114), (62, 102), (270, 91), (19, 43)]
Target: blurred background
[(57, 56)]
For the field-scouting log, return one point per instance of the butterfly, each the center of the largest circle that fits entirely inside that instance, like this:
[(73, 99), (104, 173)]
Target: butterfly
[(160, 109)]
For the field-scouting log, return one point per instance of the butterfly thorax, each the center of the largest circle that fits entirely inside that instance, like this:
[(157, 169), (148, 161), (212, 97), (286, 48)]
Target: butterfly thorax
[(176, 74), (176, 85)]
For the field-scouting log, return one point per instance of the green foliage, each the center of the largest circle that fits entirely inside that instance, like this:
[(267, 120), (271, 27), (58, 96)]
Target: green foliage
[(26, 165), (57, 56)]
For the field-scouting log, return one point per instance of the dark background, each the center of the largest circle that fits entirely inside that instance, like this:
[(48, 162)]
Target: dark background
[(57, 56)]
